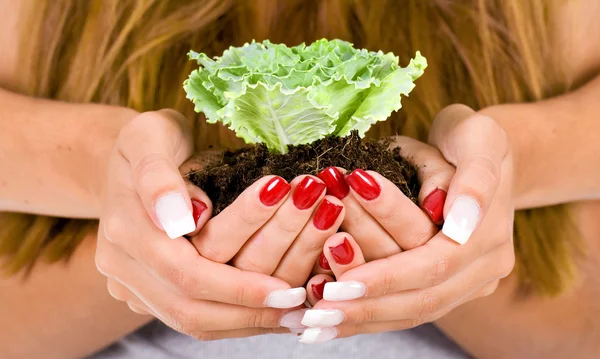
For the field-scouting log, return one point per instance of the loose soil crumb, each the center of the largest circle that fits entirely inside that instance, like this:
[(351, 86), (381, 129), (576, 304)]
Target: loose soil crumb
[(223, 181)]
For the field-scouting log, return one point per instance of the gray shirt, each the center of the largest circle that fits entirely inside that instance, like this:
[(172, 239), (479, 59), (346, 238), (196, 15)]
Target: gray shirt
[(157, 341)]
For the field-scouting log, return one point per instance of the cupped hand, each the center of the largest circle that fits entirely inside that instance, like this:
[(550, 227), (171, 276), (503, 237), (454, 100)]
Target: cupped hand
[(147, 208), (463, 261)]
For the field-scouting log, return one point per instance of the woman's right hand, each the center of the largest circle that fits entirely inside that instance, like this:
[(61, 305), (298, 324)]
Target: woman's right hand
[(146, 196)]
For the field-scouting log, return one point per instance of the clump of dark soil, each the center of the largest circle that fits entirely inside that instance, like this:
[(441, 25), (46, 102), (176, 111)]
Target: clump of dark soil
[(223, 181)]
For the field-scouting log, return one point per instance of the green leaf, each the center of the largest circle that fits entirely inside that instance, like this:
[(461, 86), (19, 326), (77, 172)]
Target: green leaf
[(276, 117), (279, 95)]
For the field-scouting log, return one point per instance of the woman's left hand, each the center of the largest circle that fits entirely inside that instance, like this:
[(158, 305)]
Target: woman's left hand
[(463, 261)]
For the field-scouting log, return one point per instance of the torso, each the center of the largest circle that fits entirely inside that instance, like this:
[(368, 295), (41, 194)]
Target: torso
[(576, 33)]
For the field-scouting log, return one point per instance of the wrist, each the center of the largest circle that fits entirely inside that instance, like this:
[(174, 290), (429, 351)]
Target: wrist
[(519, 122), (99, 151)]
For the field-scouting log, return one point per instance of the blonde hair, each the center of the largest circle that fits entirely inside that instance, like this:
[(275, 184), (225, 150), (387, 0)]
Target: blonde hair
[(132, 53)]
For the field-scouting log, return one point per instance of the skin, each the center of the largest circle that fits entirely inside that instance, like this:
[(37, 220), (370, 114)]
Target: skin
[(78, 336)]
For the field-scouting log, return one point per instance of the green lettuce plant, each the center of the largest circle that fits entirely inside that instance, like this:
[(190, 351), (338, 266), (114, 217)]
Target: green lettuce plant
[(278, 95)]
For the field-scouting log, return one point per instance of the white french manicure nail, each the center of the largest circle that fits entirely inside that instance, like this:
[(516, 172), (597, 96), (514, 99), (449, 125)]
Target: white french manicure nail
[(286, 298), (338, 291), (462, 219), (293, 319), (174, 215), (318, 335), (323, 318)]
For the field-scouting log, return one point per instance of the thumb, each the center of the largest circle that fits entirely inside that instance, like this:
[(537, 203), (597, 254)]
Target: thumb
[(476, 145), (155, 144)]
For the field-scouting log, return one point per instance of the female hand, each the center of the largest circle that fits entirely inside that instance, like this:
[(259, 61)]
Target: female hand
[(145, 196), (462, 262)]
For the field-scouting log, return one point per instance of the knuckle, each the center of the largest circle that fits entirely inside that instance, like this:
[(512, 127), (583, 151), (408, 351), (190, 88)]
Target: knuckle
[(439, 270), (428, 303), (261, 318), (389, 282), (288, 226), (115, 228), (179, 280), (204, 336), (104, 264), (507, 264), (489, 289), (253, 264), (422, 236), (210, 248), (148, 169), (368, 314), (240, 295), (183, 321)]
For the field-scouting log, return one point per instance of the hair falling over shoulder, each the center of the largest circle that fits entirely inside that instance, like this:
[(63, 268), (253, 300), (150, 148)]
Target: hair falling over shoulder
[(132, 53)]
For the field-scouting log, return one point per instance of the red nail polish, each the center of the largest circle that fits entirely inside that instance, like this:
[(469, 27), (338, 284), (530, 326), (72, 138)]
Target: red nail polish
[(364, 184), (307, 192), (343, 253), (323, 262), (198, 208), (274, 191), (326, 215), (317, 289), (336, 184), (434, 205)]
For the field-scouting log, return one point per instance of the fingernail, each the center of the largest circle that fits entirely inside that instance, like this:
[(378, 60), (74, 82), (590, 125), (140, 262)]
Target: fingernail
[(274, 191), (339, 291), (323, 262), (363, 184), (317, 289), (336, 184), (286, 298), (434, 205), (326, 215), (198, 207), (462, 219), (174, 215), (318, 335), (343, 253), (307, 192), (322, 317), (293, 319)]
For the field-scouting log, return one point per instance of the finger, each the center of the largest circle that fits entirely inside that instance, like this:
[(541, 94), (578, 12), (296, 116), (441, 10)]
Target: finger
[(434, 173), (423, 305), (239, 333), (314, 288), (223, 236), (186, 314), (121, 293), (177, 264), (396, 213), (372, 238), (263, 251), (297, 263), (201, 207), (478, 162), (319, 335), (342, 253), (322, 265), (155, 144)]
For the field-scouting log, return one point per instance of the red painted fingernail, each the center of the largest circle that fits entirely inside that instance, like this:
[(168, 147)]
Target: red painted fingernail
[(198, 208), (317, 289), (307, 192), (336, 184), (343, 253), (323, 262), (274, 191), (326, 215), (434, 205), (364, 184)]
